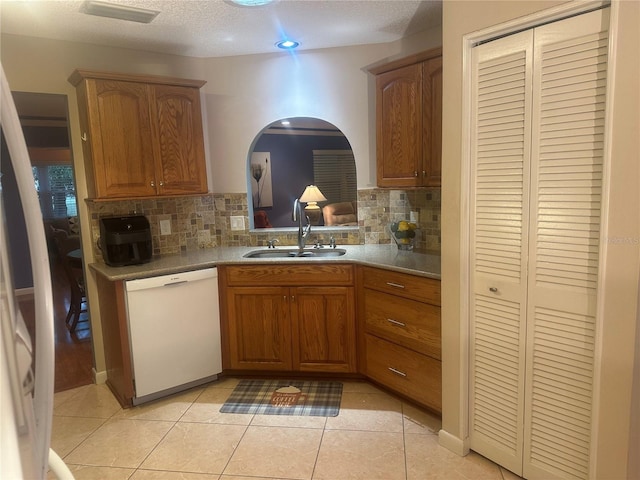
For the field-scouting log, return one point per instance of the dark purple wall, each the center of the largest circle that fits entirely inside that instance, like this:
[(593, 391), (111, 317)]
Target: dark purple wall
[(292, 168), (16, 233)]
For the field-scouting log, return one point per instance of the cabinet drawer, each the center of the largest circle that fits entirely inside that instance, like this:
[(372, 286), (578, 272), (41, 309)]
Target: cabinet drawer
[(409, 323), (417, 376), (396, 283), (290, 275)]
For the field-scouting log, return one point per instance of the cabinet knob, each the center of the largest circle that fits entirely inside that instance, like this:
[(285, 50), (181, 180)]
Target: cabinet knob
[(493, 289), (153, 184), (424, 173), (415, 174), (161, 183)]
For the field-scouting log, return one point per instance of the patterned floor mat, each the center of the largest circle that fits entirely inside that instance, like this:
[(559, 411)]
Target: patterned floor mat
[(285, 397)]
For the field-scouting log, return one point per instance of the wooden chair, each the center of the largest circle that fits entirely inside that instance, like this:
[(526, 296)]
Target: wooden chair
[(65, 244)]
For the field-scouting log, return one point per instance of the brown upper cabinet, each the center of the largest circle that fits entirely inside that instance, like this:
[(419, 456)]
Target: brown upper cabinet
[(409, 121), (142, 135)]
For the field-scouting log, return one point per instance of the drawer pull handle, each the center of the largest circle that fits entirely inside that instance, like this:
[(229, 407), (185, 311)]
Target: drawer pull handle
[(397, 372), (397, 285), (395, 322)]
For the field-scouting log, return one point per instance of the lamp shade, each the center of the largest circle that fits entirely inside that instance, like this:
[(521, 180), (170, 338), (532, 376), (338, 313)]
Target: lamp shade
[(312, 194)]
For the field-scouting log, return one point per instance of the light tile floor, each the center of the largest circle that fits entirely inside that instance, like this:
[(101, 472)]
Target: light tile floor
[(375, 436)]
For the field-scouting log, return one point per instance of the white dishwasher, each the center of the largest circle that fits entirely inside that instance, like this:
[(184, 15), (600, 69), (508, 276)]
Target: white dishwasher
[(174, 332)]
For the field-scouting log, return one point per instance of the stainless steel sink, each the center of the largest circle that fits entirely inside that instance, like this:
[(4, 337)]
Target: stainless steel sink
[(295, 253)]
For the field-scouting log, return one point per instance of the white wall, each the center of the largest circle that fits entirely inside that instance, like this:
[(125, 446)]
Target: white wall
[(244, 94), (615, 443)]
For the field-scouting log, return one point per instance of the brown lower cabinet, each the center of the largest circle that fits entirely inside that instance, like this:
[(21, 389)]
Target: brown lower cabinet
[(302, 318), (400, 333), (408, 372), (304, 321)]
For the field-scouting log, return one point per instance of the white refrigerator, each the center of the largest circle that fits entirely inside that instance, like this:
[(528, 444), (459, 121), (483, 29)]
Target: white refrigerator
[(26, 376)]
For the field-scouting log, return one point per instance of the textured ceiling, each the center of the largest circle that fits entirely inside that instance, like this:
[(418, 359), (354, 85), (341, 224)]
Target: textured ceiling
[(215, 28)]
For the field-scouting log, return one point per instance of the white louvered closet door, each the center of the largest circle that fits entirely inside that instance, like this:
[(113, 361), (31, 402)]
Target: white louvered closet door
[(501, 148), (534, 283), (570, 67)]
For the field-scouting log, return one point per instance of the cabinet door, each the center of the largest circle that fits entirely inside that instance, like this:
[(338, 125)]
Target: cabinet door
[(399, 127), (259, 328), (178, 140), (432, 122), (121, 138), (323, 320)]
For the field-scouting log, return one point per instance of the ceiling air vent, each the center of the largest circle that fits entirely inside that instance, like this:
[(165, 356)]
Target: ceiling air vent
[(120, 12)]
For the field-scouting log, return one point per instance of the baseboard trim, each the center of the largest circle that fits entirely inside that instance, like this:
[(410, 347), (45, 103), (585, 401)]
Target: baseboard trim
[(99, 377), (453, 443)]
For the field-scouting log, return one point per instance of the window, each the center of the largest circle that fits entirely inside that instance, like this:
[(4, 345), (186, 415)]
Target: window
[(56, 190), (334, 173)]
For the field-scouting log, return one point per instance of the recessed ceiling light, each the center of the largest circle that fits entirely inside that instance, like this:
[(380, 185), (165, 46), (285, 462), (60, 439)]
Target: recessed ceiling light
[(120, 12), (287, 44), (250, 3)]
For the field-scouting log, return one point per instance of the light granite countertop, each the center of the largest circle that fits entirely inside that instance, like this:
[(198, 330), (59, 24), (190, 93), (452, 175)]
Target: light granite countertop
[(382, 256)]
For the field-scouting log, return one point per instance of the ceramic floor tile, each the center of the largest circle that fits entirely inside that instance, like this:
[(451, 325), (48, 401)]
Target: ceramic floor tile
[(372, 412), (288, 453), (87, 401), (419, 421), (227, 382), (61, 397), (157, 475), (195, 447), (353, 455), (507, 475), (169, 409), (360, 387), (427, 460), (68, 432), (242, 477), (206, 409), (86, 472), (120, 443), (293, 421)]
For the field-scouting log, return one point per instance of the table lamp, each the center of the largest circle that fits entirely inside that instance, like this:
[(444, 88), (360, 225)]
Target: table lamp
[(311, 196)]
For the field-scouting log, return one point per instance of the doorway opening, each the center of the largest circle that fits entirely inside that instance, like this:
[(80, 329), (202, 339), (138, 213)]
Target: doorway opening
[(44, 121)]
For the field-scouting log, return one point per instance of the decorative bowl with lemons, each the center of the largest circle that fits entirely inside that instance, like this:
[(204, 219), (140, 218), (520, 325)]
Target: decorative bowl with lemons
[(404, 234)]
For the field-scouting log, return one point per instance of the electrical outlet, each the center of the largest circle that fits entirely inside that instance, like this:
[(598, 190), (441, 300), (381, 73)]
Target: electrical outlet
[(165, 227), (204, 238), (237, 223), (413, 217)]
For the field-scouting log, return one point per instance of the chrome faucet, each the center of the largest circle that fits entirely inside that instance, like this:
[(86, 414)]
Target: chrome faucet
[(297, 216)]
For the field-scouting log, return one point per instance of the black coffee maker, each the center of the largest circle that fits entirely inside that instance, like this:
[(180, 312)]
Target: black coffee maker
[(125, 240)]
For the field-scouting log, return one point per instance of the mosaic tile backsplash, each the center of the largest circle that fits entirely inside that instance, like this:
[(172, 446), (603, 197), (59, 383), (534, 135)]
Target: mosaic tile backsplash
[(205, 221)]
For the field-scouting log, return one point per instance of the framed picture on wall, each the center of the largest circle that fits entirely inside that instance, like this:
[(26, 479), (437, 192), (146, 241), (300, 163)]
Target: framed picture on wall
[(261, 186)]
